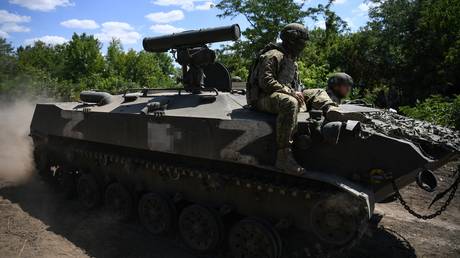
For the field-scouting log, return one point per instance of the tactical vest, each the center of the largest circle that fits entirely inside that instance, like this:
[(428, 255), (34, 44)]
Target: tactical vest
[(252, 85)]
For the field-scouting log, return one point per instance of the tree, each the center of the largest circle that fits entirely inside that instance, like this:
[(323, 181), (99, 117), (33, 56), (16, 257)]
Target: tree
[(266, 19), (408, 51), (130, 65), (41, 58), (148, 71), (166, 64), (421, 40), (83, 58), (333, 23), (115, 58), (439, 29), (8, 63), (318, 59), (234, 63), (5, 48)]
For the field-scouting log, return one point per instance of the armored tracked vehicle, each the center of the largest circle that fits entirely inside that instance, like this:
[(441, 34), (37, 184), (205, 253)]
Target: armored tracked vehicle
[(197, 163)]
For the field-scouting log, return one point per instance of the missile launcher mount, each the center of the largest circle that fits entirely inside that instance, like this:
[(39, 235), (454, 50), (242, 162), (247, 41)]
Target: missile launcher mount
[(197, 163)]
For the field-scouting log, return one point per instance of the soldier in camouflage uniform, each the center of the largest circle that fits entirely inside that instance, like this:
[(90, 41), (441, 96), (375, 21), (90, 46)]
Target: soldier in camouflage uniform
[(274, 87), (338, 87)]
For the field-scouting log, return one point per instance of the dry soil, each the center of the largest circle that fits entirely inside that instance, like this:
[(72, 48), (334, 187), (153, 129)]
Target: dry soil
[(36, 221)]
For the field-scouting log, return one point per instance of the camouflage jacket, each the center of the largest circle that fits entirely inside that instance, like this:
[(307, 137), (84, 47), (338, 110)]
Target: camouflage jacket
[(273, 71)]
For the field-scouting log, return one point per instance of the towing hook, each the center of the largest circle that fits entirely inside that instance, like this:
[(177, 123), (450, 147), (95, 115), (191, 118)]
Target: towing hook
[(427, 180)]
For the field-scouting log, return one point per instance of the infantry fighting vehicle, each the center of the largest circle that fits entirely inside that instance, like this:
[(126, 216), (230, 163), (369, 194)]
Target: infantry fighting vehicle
[(197, 163)]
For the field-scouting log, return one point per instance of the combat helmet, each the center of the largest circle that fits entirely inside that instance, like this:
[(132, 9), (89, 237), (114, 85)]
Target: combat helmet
[(294, 37), (294, 32), (339, 78)]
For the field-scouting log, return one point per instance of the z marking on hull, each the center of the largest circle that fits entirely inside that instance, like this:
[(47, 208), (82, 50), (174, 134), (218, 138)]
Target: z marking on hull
[(251, 132), (74, 119)]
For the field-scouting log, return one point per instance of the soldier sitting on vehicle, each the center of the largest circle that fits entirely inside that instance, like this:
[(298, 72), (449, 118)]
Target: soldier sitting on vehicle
[(274, 87)]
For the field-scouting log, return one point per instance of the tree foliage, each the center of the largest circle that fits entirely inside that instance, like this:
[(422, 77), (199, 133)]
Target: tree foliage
[(64, 70), (8, 62), (437, 109), (82, 58), (266, 18), (408, 55), (416, 43), (408, 51)]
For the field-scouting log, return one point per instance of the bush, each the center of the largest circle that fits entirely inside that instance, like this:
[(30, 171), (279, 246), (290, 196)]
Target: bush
[(313, 76), (456, 112), (436, 109)]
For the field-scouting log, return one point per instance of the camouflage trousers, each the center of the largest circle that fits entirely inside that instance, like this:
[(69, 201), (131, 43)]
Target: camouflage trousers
[(287, 108)]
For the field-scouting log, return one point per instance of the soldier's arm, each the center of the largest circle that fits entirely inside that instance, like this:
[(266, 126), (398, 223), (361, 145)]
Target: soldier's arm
[(267, 79), (318, 99)]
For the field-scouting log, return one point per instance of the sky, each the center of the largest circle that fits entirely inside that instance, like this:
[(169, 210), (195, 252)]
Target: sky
[(54, 21)]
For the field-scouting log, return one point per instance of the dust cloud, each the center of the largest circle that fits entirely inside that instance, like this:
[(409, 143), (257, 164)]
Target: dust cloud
[(16, 161)]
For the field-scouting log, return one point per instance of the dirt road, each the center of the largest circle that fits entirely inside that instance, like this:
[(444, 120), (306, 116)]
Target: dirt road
[(35, 221), (399, 234)]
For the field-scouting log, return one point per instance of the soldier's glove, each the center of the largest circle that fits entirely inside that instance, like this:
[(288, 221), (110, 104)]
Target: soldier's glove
[(334, 114)]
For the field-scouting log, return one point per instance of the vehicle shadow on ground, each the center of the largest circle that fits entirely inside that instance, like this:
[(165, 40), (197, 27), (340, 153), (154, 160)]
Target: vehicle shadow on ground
[(383, 243), (98, 235), (95, 232)]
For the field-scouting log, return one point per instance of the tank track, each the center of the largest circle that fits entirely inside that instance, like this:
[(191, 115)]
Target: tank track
[(213, 181)]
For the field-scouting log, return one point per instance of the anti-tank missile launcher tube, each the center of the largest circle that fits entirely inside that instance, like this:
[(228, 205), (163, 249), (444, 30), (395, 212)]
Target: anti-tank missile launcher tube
[(192, 38)]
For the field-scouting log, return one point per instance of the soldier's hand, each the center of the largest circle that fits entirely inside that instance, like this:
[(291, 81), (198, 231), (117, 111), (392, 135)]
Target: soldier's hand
[(300, 98)]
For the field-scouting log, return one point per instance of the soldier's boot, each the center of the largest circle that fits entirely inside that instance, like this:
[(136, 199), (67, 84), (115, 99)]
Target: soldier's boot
[(285, 161), (334, 114)]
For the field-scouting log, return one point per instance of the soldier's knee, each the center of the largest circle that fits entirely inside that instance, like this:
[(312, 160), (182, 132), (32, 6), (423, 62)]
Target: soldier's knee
[(289, 105)]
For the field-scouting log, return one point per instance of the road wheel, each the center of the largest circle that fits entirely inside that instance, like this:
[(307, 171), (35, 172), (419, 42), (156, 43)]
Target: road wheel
[(88, 191), (338, 220), (157, 213), (201, 228), (67, 183), (119, 201), (254, 238), (43, 164)]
